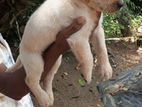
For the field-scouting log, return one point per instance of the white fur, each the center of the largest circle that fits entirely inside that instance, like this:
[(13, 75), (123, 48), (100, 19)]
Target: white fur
[(40, 32)]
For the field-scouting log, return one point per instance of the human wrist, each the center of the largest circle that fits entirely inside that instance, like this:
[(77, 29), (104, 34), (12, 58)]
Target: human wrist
[(60, 48)]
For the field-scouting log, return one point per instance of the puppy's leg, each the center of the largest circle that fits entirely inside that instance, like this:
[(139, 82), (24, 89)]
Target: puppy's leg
[(33, 64), (98, 40), (49, 78), (81, 49), (16, 66)]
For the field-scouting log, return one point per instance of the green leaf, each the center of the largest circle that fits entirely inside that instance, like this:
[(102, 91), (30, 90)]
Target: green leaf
[(82, 82)]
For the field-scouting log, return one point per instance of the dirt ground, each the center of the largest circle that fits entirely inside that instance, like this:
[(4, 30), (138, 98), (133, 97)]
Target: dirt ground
[(67, 90)]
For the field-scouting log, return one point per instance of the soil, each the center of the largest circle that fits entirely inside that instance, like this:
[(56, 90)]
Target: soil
[(68, 92)]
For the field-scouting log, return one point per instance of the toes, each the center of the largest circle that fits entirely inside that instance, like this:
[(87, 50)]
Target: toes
[(45, 101), (106, 72)]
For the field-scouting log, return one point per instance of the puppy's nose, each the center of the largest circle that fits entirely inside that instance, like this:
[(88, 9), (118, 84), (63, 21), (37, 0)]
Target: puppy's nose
[(120, 4)]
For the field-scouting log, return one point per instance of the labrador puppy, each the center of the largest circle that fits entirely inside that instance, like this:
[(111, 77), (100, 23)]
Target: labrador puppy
[(41, 31)]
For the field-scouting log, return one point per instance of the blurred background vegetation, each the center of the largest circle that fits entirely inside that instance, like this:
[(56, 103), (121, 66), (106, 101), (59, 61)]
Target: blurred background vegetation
[(15, 13), (125, 22)]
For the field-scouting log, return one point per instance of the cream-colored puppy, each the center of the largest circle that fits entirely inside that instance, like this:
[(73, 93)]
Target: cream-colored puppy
[(41, 30)]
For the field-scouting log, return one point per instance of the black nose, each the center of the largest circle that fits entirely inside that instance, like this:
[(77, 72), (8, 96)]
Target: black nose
[(120, 4)]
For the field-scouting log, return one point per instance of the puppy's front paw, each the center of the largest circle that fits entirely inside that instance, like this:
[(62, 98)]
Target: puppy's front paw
[(86, 72), (45, 100), (106, 71)]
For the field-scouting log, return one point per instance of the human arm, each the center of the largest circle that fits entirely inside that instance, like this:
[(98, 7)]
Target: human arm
[(12, 84)]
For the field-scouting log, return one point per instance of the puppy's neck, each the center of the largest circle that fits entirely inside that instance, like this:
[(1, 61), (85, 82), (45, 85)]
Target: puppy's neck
[(89, 3), (94, 12)]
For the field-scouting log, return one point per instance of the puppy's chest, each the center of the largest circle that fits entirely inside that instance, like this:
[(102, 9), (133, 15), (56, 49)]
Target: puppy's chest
[(92, 21)]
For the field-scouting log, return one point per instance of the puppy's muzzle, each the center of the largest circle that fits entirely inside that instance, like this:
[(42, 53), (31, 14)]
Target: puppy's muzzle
[(119, 5)]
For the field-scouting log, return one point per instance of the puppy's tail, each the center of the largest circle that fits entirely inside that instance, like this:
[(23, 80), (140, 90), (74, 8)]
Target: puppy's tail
[(16, 66)]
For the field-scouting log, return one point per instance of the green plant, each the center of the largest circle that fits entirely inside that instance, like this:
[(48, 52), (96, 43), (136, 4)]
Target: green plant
[(135, 6), (136, 22), (119, 24), (111, 26)]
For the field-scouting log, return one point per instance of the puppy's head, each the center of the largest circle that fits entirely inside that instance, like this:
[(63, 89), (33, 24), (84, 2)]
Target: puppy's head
[(106, 5)]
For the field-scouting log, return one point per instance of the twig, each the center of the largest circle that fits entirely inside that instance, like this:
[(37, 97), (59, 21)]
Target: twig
[(18, 31), (14, 19), (132, 39)]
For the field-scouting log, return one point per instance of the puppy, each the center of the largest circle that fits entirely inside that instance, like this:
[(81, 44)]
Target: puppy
[(41, 30)]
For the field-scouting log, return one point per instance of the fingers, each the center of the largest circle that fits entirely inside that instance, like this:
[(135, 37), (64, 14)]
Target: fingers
[(74, 27), (2, 67)]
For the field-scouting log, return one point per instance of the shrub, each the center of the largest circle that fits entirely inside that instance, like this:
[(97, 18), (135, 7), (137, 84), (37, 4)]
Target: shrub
[(136, 22), (111, 26)]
